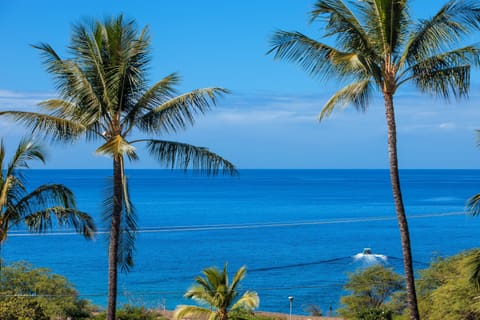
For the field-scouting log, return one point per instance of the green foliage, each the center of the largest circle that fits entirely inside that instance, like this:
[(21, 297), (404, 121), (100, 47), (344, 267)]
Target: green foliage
[(371, 295), (445, 290), (248, 315), (129, 312), (379, 313), (39, 209), (215, 290), (21, 308), (36, 293)]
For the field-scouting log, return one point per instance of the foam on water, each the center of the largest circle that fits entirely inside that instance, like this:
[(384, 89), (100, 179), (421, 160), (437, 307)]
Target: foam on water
[(370, 258)]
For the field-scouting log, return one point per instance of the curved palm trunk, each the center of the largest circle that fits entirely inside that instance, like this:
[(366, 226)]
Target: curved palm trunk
[(399, 208), (114, 237)]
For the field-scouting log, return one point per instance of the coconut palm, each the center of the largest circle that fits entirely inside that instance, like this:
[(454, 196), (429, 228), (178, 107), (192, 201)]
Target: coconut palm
[(215, 291), (104, 95), (378, 47), (39, 209)]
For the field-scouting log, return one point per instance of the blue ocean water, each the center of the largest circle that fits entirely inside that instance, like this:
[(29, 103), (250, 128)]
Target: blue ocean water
[(296, 230)]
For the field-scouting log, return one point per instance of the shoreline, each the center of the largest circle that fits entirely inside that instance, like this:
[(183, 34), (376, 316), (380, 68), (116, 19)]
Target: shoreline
[(274, 315)]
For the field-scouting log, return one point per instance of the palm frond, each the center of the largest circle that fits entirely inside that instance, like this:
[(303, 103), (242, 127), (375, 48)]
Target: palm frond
[(444, 82), (239, 276), (15, 189), (473, 263), (128, 224), (469, 55), (131, 73), (446, 73), (386, 22), (158, 94), (204, 284), (343, 23), (47, 195), (117, 145), (115, 57), (88, 48), (39, 207), (50, 56), (316, 58), (185, 312), (82, 117), (211, 289), (27, 150), (249, 301), (473, 205), (43, 220), (213, 277), (72, 82), (6, 189), (127, 236), (181, 155), (59, 129), (179, 112), (358, 94), (204, 295), (453, 21)]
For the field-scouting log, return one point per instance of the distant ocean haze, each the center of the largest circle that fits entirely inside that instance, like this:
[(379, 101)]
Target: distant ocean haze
[(297, 231)]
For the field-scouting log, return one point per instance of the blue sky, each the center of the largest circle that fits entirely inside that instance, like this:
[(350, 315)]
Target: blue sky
[(269, 120)]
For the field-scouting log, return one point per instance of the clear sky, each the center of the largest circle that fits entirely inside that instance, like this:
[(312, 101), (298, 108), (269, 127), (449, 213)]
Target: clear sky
[(270, 119)]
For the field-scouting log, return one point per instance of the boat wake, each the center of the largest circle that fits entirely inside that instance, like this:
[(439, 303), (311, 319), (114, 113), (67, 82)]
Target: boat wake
[(369, 258)]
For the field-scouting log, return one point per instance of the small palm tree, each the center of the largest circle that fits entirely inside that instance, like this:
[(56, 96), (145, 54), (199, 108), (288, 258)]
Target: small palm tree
[(215, 291), (105, 96), (40, 208), (378, 47)]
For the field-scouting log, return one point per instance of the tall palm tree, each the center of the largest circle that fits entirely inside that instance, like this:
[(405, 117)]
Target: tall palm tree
[(104, 95), (215, 291), (378, 47), (39, 209)]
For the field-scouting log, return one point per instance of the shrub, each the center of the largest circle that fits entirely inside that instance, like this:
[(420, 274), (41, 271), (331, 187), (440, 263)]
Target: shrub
[(375, 313), (36, 293), (129, 312), (23, 308), (445, 291), (372, 292)]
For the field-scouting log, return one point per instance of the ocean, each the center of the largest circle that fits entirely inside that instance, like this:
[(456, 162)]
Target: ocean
[(297, 231)]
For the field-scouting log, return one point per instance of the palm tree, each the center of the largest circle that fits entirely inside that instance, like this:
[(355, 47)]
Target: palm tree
[(40, 208), (104, 95), (215, 291), (378, 47)]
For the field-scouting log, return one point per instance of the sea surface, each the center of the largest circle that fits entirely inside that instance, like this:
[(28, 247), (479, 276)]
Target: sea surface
[(298, 232)]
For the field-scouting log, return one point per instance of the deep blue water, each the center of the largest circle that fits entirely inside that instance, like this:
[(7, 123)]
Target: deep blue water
[(295, 230)]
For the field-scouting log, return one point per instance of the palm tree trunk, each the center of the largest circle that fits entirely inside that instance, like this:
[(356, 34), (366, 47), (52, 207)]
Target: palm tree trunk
[(1, 260), (399, 208), (223, 315), (114, 237)]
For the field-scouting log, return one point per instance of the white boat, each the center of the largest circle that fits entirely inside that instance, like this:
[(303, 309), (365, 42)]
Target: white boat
[(367, 256), (367, 251)]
